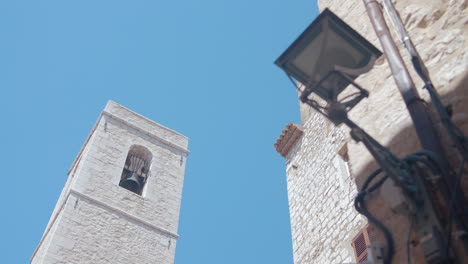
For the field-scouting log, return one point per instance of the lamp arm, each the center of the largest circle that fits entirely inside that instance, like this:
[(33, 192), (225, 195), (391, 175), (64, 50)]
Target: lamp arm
[(460, 141), (395, 168)]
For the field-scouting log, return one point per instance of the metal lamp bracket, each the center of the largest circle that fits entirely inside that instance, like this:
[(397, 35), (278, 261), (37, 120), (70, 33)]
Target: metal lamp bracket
[(335, 110)]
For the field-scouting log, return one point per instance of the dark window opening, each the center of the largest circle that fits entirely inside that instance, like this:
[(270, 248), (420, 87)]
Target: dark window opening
[(136, 169)]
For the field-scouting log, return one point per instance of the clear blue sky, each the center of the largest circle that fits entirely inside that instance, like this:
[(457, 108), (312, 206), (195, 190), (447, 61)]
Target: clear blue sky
[(204, 68)]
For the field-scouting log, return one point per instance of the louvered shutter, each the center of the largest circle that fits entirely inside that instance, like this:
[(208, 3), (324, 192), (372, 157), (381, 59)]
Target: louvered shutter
[(360, 243)]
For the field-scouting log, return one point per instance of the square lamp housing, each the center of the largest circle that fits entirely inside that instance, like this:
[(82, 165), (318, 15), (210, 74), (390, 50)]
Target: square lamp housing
[(327, 46)]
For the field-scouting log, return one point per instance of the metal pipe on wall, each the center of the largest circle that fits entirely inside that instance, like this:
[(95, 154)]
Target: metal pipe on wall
[(418, 112), (420, 116)]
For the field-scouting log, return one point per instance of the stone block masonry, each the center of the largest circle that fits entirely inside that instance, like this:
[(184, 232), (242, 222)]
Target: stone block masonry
[(321, 193), (97, 221), (323, 219)]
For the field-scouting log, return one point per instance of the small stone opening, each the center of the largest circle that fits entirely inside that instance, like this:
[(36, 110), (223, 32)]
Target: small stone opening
[(136, 169)]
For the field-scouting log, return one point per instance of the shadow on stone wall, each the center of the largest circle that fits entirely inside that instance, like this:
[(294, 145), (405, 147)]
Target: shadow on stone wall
[(406, 141), (402, 144)]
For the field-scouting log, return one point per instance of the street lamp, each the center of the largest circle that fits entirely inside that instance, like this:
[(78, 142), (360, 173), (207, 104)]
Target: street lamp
[(326, 58)]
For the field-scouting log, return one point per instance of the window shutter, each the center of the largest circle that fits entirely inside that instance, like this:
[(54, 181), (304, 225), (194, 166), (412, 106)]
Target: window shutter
[(360, 243)]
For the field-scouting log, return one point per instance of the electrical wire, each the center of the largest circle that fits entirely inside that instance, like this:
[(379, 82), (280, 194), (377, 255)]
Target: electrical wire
[(456, 134), (426, 158), (433, 157), (413, 159), (362, 209), (451, 204), (458, 138), (408, 239), (360, 206)]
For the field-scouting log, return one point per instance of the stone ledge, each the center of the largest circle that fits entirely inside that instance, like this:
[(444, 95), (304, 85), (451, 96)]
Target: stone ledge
[(129, 117), (94, 201), (289, 136), (147, 133), (179, 142)]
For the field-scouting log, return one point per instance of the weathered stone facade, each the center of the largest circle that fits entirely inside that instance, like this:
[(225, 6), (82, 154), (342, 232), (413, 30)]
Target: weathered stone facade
[(97, 221), (321, 195), (323, 219)]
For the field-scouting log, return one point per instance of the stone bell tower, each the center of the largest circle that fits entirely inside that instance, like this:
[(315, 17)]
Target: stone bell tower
[(121, 201)]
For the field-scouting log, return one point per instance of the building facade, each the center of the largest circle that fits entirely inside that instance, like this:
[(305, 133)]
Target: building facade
[(325, 167), (121, 201)]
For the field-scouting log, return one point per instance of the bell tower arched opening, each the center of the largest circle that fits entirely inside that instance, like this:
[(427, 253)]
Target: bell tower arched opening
[(136, 169)]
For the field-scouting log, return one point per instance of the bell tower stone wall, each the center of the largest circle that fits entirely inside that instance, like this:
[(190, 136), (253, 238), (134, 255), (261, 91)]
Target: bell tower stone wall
[(97, 221)]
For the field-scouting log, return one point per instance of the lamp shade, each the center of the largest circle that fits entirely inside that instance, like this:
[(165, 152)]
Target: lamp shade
[(327, 45)]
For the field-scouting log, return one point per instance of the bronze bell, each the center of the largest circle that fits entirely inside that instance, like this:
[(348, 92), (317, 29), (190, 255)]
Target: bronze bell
[(131, 182)]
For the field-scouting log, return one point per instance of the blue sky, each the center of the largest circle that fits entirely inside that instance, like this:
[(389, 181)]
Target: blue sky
[(204, 68)]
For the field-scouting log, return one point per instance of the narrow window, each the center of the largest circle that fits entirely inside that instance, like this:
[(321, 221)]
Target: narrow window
[(136, 169), (341, 164), (360, 245)]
